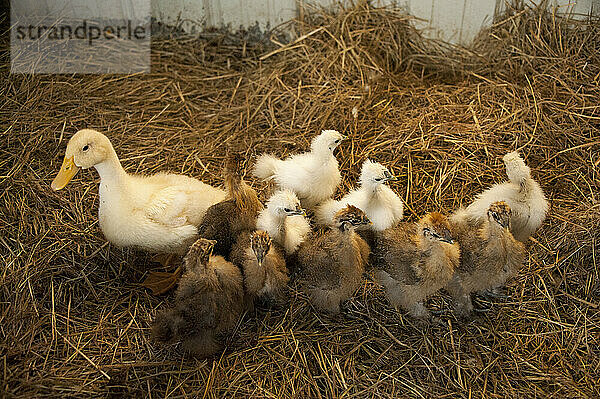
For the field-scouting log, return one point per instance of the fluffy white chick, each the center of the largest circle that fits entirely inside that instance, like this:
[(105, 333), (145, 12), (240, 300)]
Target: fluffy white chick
[(312, 175), (523, 195), (284, 220), (379, 202)]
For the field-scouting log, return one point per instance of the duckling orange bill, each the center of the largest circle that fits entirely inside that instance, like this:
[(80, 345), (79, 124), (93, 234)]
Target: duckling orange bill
[(66, 173)]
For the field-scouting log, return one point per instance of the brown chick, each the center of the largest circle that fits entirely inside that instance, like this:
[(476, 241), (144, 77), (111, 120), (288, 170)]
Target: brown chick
[(209, 302), (490, 255), (414, 260), (331, 265), (263, 264), (238, 212)]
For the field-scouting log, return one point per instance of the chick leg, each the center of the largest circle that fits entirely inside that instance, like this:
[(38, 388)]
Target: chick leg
[(463, 306), (419, 311), (496, 293)]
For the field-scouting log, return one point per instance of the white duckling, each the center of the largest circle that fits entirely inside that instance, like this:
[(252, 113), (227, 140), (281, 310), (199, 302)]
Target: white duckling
[(381, 204), (523, 195), (158, 213), (284, 220), (312, 175)]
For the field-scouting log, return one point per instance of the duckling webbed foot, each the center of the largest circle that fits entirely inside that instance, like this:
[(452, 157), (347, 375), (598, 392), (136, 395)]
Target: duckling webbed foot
[(162, 282), (165, 260)]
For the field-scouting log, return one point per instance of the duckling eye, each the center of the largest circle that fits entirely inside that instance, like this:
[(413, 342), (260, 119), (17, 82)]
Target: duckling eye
[(85, 147)]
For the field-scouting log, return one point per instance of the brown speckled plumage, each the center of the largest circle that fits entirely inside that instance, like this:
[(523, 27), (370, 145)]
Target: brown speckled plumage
[(268, 278), (490, 255), (414, 260), (225, 220), (331, 264), (209, 301)]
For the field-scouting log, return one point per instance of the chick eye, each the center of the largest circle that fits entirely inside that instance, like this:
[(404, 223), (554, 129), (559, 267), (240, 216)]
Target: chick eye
[(287, 210), (86, 147), (378, 179)]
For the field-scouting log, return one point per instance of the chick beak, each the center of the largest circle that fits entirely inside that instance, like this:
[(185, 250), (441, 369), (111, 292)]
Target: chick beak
[(66, 173), (391, 178), (344, 137), (448, 240), (300, 212)]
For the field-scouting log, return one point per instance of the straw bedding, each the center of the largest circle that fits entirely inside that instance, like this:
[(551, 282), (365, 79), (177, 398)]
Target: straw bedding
[(75, 322)]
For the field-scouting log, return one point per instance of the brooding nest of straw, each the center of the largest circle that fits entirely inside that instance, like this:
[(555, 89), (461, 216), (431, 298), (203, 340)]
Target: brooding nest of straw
[(75, 322)]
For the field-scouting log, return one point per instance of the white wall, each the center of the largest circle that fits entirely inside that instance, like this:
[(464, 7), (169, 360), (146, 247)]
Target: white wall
[(83, 9), (457, 21)]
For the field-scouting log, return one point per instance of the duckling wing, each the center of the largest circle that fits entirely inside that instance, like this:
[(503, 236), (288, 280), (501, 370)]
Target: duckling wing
[(169, 207)]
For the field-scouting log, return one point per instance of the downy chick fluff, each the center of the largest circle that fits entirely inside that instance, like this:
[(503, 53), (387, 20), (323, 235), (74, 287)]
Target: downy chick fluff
[(225, 220), (284, 220), (522, 194), (490, 255), (312, 175), (381, 205), (209, 302), (332, 264), (414, 260), (263, 262)]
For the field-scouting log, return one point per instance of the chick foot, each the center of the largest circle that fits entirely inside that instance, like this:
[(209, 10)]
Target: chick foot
[(496, 293)]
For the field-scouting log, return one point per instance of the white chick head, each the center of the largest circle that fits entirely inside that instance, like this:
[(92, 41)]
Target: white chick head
[(85, 149), (373, 174), (285, 203), (327, 140)]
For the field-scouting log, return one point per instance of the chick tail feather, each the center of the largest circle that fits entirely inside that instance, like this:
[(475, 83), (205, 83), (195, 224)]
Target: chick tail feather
[(516, 170), (233, 174), (265, 166), (243, 195)]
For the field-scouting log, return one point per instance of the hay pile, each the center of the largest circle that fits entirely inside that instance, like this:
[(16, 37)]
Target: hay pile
[(75, 321)]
